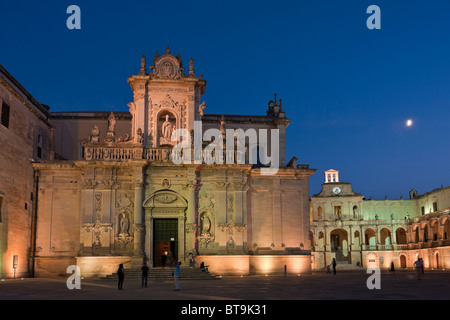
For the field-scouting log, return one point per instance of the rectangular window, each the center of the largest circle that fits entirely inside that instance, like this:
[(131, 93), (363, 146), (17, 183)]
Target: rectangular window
[(435, 207), (5, 114), (423, 210)]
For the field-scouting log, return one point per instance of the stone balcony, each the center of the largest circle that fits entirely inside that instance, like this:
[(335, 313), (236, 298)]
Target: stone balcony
[(160, 154)]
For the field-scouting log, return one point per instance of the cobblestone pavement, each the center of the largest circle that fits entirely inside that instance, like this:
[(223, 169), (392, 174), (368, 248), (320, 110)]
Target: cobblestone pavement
[(434, 285)]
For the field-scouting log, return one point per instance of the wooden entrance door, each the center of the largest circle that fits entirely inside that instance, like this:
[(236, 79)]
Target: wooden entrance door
[(162, 248), (165, 239)]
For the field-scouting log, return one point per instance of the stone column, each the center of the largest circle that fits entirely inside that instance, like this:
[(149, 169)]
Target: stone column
[(240, 209), (191, 217), (138, 226), (220, 211)]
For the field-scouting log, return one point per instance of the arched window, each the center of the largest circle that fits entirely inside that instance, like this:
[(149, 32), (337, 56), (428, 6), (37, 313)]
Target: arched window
[(435, 231), (319, 213), (370, 237), (385, 235), (425, 234), (446, 230), (400, 235)]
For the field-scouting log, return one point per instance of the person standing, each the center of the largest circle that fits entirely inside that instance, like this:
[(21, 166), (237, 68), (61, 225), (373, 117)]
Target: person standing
[(163, 259), (334, 266), (191, 260), (176, 275), (121, 274), (144, 275), (169, 259), (421, 266), (417, 266)]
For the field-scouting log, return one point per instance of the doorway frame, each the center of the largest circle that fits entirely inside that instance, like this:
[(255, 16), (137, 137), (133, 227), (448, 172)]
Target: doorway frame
[(165, 204)]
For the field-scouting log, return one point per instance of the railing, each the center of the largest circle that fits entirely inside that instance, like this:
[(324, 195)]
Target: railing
[(155, 154), (430, 215), (130, 153), (384, 247)]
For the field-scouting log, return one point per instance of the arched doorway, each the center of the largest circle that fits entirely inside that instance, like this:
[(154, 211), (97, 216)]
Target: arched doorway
[(435, 231), (416, 234), (339, 245), (164, 226), (425, 234), (385, 235), (400, 235), (370, 238), (402, 261)]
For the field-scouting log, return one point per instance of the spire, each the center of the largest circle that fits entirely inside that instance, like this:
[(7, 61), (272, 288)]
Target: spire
[(167, 49)]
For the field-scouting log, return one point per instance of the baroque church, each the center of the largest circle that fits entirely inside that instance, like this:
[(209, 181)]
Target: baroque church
[(96, 189), (105, 189)]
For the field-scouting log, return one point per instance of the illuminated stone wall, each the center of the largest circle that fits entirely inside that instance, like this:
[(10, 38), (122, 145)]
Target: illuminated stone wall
[(20, 139), (378, 232)]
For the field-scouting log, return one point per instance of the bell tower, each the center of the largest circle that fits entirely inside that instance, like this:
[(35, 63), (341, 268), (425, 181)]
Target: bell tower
[(165, 99)]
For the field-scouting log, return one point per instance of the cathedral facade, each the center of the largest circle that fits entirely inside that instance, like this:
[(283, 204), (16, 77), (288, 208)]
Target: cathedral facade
[(165, 178), (115, 194)]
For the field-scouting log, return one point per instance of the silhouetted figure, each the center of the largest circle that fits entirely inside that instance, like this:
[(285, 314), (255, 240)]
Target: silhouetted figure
[(176, 275), (121, 274), (144, 275), (163, 259), (334, 266)]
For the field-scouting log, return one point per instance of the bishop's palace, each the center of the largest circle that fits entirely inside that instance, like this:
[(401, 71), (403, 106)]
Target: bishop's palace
[(97, 189)]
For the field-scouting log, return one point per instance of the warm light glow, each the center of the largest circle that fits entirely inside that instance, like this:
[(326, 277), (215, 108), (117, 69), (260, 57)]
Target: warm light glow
[(409, 123)]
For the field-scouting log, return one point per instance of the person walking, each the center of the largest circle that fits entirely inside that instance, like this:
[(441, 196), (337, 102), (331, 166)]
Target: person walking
[(334, 266), (421, 266), (417, 266), (144, 275), (176, 275), (121, 274)]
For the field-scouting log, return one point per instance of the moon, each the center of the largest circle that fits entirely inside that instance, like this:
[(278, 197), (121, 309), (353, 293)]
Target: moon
[(409, 123)]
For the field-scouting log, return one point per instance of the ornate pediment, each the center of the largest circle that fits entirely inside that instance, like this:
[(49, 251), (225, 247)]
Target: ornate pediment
[(167, 66), (165, 198)]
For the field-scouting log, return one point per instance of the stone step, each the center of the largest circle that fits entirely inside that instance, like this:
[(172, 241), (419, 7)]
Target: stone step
[(164, 274)]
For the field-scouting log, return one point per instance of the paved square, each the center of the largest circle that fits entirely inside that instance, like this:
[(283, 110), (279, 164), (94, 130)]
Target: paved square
[(348, 285)]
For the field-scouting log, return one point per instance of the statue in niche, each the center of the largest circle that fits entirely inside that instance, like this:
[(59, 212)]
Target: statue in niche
[(124, 224), (355, 212), (205, 224), (166, 129)]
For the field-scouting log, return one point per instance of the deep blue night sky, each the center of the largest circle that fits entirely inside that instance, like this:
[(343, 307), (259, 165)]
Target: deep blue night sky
[(348, 90)]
